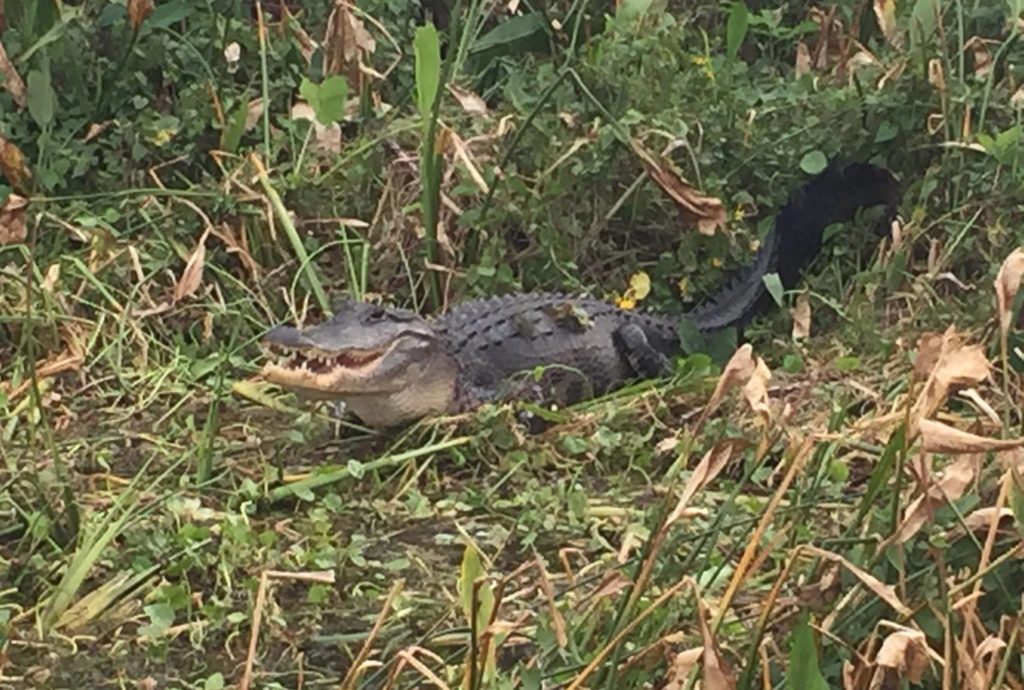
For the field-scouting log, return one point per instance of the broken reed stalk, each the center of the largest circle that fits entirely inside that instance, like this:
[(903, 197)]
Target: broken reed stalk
[(354, 671)]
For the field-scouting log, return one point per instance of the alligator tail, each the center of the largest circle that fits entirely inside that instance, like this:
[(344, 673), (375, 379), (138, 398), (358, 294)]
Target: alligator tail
[(832, 196)]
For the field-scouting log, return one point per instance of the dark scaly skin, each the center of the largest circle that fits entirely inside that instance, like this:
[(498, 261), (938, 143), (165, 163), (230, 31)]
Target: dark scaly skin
[(392, 367), (606, 346)]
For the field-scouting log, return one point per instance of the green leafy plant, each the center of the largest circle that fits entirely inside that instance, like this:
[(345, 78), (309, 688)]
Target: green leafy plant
[(326, 98)]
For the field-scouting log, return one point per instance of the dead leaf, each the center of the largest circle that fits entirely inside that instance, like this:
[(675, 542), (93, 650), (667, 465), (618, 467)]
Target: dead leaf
[(682, 664), (612, 583), (14, 167), (463, 154), (885, 12), (59, 363), (1012, 460), (855, 675), (936, 75), (1007, 286), (51, 278), (226, 234), (345, 42), (12, 220), (1017, 99), (253, 113), (326, 138), (708, 212), (929, 349), (861, 58), (470, 102), (717, 674), (831, 42), (138, 11), (710, 466), (737, 370), (12, 81), (949, 487), (981, 519), (906, 652), (232, 54), (96, 129), (956, 366), (801, 317), (886, 593), (982, 405), (756, 388), (990, 645), (937, 437), (815, 595), (307, 46), (192, 275), (803, 60), (982, 56)]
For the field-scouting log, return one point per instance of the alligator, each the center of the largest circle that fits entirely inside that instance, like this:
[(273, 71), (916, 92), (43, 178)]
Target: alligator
[(391, 366)]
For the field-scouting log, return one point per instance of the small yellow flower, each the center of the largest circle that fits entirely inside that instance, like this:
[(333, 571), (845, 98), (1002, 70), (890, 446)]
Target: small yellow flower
[(639, 288), (704, 63), (716, 262)]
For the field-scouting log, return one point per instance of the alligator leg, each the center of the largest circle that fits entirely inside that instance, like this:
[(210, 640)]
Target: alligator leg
[(644, 359)]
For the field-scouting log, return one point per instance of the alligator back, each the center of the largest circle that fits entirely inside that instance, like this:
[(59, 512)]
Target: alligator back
[(496, 337)]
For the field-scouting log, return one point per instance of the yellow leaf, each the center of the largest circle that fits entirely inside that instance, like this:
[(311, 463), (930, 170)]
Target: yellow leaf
[(885, 12), (14, 167), (640, 285), (639, 288)]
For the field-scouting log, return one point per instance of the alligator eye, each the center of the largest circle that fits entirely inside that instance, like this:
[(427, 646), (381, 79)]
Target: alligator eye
[(376, 314)]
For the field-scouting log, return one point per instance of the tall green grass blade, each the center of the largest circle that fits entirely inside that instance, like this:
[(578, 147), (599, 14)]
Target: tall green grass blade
[(804, 673), (428, 90), (736, 28), (427, 48)]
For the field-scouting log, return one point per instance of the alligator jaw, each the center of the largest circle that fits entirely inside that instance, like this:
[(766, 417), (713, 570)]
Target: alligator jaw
[(326, 374)]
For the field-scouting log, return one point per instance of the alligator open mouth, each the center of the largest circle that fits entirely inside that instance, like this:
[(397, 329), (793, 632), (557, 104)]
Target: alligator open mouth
[(317, 361), (313, 369)]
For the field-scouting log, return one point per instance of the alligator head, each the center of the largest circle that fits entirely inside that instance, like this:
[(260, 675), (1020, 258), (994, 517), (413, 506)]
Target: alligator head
[(389, 366)]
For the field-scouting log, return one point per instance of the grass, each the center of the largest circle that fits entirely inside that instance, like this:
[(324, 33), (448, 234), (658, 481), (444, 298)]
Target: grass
[(170, 521)]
